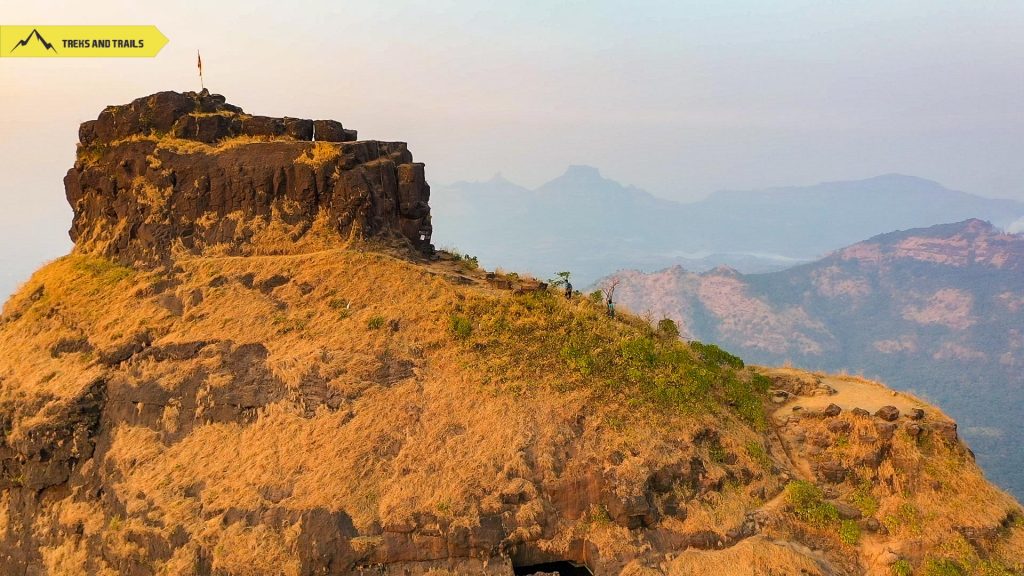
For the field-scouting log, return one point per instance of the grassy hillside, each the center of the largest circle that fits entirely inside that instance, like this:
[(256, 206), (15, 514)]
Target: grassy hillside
[(390, 409), (346, 407)]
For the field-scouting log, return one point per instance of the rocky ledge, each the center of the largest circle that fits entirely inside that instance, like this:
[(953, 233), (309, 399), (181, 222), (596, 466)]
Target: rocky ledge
[(189, 171)]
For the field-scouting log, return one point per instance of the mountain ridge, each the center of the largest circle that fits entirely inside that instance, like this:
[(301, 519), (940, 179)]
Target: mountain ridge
[(898, 307), (601, 225)]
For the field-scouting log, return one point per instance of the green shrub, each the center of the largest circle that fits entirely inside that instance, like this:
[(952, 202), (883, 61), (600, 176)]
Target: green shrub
[(106, 271), (375, 322), (466, 261), (906, 516), (560, 279), (716, 452), (746, 398), (758, 454), (638, 352), (667, 328), (991, 567), (849, 532), (864, 500), (288, 324), (571, 347), (809, 504), (577, 352), (342, 306), (599, 515), (461, 326), (943, 567), (716, 355), (115, 524), (901, 567)]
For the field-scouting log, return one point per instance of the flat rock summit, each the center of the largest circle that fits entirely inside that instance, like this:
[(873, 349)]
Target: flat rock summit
[(192, 172), (246, 367)]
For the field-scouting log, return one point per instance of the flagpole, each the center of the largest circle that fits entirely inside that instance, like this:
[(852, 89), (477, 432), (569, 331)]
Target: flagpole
[(199, 63)]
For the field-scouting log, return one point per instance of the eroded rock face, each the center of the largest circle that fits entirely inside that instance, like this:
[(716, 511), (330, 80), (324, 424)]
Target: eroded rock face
[(190, 171)]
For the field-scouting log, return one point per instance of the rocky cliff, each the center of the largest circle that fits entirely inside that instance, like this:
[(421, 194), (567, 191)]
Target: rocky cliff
[(252, 409), (194, 173)]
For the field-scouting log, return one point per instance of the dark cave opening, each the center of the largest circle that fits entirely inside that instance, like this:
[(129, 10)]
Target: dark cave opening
[(562, 567)]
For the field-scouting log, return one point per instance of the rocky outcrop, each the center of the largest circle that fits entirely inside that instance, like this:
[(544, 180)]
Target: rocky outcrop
[(192, 172), (203, 117), (44, 455)]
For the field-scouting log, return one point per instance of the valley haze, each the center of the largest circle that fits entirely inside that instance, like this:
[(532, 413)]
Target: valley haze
[(592, 226)]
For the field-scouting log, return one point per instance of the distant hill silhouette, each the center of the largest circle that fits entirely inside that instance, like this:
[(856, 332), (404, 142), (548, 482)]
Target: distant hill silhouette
[(591, 225)]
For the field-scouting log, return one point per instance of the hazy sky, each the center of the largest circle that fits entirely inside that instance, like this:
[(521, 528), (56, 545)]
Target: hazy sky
[(679, 98)]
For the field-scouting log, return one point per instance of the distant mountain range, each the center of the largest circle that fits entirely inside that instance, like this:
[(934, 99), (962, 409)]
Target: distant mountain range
[(592, 226), (938, 310)]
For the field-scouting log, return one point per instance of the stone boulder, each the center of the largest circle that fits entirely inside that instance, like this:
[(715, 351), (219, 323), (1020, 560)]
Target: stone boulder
[(298, 128), (831, 471), (261, 126), (207, 128), (888, 413), (331, 131), (832, 410), (156, 113)]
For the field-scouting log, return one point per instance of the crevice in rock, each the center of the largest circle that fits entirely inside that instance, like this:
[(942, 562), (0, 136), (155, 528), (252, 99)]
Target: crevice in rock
[(560, 567)]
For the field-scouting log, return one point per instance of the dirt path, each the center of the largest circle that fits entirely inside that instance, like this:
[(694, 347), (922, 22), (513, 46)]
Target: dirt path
[(854, 392)]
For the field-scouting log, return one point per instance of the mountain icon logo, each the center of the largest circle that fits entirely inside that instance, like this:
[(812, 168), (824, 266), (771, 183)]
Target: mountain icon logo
[(38, 37)]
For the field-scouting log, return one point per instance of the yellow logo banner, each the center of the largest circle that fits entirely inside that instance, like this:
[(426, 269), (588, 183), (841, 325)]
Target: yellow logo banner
[(80, 41)]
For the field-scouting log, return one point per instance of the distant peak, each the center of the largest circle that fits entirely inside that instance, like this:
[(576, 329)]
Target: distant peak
[(723, 270), (969, 226), (977, 223), (582, 172), (907, 182), (971, 229), (897, 177)]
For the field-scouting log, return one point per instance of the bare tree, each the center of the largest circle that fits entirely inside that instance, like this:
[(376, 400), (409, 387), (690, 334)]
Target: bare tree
[(608, 286)]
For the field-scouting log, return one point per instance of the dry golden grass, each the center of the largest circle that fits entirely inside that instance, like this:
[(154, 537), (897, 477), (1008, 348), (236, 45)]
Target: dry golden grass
[(185, 146), (446, 442), (319, 154), (503, 407), (753, 557)]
